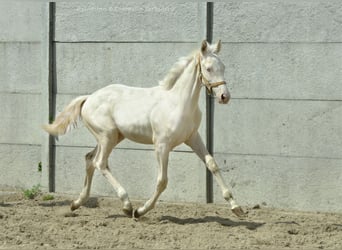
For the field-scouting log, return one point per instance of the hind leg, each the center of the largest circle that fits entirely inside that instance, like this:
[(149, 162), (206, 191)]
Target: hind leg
[(105, 146), (121, 192), (84, 195)]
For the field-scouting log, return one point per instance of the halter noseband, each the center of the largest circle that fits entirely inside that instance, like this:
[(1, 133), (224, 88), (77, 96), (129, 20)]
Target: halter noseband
[(205, 81)]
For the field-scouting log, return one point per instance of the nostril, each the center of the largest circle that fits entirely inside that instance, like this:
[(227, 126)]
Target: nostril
[(225, 98)]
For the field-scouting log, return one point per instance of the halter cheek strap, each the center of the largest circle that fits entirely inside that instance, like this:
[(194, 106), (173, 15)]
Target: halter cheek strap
[(209, 85), (205, 81)]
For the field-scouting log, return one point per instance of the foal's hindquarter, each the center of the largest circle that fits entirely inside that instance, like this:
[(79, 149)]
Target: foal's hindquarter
[(158, 116)]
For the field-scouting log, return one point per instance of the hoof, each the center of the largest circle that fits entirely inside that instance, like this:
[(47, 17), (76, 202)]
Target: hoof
[(239, 212), (128, 212), (73, 206)]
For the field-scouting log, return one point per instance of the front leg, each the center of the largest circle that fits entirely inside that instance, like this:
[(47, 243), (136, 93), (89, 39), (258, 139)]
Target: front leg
[(162, 152), (196, 143)]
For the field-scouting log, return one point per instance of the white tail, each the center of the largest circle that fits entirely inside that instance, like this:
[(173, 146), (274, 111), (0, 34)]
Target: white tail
[(67, 119)]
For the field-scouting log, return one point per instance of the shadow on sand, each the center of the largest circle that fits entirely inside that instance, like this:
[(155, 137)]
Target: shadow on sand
[(208, 219), (91, 203)]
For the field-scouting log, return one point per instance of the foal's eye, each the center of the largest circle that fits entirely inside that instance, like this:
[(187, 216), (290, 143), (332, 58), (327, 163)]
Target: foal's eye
[(209, 69)]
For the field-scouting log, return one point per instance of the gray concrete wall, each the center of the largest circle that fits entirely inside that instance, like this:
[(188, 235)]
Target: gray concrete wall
[(277, 141), (20, 94)]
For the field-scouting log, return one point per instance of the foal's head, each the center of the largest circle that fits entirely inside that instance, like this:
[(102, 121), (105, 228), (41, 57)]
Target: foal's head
[(212, 71)]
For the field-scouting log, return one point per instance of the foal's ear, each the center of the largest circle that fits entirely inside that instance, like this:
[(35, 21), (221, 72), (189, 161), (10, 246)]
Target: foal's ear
[(204, 47), (217, 47)]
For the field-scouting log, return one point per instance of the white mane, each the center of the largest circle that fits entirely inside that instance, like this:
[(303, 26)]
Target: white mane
[(176, 71)]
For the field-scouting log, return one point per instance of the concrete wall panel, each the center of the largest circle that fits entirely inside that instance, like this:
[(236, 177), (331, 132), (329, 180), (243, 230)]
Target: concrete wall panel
[(283, 128), (131, 21), (84, 68), (278, 21), (283, 182), (19, 165), (20, 21), (20, 118), (284, 70), (20, 68)]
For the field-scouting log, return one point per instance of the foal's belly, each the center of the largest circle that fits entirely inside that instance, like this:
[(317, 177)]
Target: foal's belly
[(134, 125), (139, 134)]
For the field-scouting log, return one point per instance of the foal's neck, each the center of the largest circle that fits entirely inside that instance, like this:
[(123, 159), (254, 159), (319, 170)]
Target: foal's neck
[(187, 87)]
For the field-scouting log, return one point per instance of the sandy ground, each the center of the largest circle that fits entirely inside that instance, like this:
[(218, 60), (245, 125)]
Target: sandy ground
[(38, 224)]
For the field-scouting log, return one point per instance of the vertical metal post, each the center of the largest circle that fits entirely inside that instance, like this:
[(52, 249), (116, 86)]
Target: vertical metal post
[(209, 108), (48, 85), (52, 93)]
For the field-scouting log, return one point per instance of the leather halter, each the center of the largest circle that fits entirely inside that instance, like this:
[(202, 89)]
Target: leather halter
[(205, 81)]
